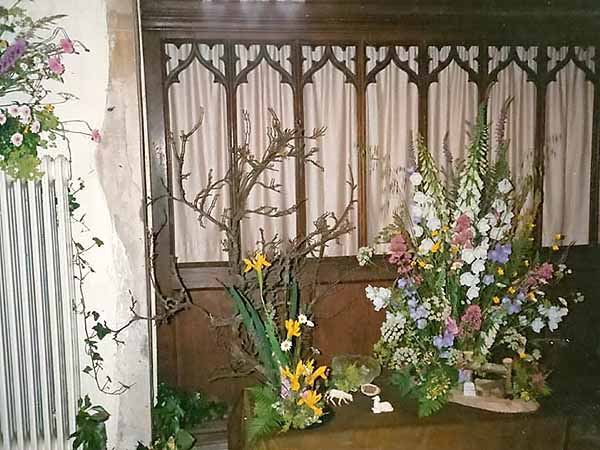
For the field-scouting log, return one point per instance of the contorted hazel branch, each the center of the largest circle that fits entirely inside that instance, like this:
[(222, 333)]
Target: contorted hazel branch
[(248, 173)]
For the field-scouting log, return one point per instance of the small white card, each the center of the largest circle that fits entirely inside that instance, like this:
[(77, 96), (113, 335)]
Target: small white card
[(469, 389)]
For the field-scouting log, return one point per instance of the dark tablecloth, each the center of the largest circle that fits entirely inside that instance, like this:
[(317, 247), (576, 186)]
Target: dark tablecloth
[(456, 427)]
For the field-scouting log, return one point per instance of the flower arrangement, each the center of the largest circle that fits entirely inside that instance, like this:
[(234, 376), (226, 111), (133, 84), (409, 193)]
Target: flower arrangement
[(29, 64), (292, 395), (471, 285)]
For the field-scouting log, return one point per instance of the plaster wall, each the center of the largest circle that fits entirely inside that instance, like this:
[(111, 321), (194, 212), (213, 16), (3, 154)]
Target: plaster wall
[(105, 80)]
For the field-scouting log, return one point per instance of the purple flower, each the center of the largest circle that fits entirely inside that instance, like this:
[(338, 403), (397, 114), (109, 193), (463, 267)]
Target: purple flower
[(451, 326), (500, 254), (12, 54), (445, 341), (56, 66), (512, 307), (488, 279)]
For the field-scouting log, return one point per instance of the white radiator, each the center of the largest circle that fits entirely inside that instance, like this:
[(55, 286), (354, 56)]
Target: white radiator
[(39, 369)]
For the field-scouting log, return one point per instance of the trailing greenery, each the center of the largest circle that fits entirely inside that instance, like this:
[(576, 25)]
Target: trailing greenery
[(91, 430), (175, 413)]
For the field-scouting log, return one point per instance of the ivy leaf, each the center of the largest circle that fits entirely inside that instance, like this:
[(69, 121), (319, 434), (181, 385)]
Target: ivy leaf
[(101, 330), (98, 242)]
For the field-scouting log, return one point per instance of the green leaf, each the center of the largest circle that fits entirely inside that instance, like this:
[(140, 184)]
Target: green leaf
[(184, 440), (101, 330)]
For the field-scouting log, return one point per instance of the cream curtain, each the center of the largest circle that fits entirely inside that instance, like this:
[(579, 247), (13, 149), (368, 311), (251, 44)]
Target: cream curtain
[(391, 117), (264, 90), (569, 103), (329, 101), (207, 149), (391, 121)]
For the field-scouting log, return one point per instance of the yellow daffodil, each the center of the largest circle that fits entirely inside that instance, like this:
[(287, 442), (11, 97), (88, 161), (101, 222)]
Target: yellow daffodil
[(294, 377), (293, 328), (257, 263), (309, 366), (555, 248), (496, 299), (558, 237), (500, 271), (310, 399), (436, 247), (319, 373), (511, 290)]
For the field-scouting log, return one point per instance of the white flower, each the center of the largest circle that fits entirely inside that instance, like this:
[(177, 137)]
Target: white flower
[(417, 231), (478, 266), (378, 296), (491, 218), (13, 110), (504, 186), (536, 354), (304, 320), (468, 255), (420, 198), (497, 233), (16, 139), (286, 345), (426, 246), (481, 251), (499, 205), (433, 223), (472, 292), (456, 265), (416, 211), (483, 226), (36, 126), (37, 60), (364, 255), (416, 179), (507, 217), (537, 325), (469, 279), (2, 118), (1, 158)]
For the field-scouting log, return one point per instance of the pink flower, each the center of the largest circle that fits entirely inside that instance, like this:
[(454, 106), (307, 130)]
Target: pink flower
[(55, 65), (16, 139), (96, 136), (13, 110), (471, 319), (545, 271), (67, 45), (463, 222), (2, 118), (451, 326)]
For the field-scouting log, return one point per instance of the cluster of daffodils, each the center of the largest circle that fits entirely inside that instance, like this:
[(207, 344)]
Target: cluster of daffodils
[(470, 279), (28, 64), (292, 395)]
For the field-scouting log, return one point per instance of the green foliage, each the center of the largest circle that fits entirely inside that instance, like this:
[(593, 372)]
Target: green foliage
[(266, 419), (91, 430), (403, 381), (350, 378), (431, 391), (177, 411)]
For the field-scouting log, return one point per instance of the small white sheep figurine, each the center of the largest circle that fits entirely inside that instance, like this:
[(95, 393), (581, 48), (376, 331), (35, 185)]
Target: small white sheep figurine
[(341, 396), (380, 407)]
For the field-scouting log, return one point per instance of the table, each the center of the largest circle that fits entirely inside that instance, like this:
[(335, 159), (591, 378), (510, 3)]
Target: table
[(456, 427)]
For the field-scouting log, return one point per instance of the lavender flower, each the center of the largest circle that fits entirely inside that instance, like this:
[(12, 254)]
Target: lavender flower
[(512, 307), (500, 254), (12, 54)]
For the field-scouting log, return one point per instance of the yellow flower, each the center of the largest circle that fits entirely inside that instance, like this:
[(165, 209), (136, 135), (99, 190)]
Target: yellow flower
[(320, 372), (496, 299), (309, 366), (434, 233), (558, 237), (555, 248), (531, 225), (531, 296), (511, 290), (522, 355), (454, 249), (49, 108), (257, 263), (310, 399), (294, 377), (525, 396), (500, 271), (422, 263), (293, 328), (436, 247), (445, 228), (526, 263), (413, 263)]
